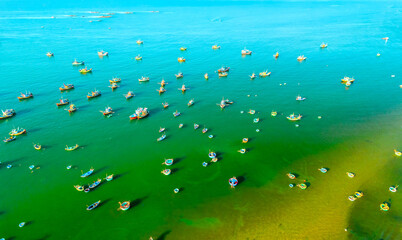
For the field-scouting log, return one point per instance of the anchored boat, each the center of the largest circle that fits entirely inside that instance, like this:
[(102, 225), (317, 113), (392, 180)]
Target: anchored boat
[(10, 139), (87, 173), (93, 205), (293, 117), (17, 131), (102, 53), (129, 95), (25, 96), (71, 148), (85, 70), (246, 52), (107, 111), (63, 102), (223, 69), (66, 87), (215, 47), (124, 206), (179, 75), (181, 59), (265, 73), (7, 113), (115, 80), (143, 79), (77, 63), (301, 58), (139, 113), (94, 94)]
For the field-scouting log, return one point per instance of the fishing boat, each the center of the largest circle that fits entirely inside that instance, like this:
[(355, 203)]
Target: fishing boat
[(211, 154), (347, 84), (49, 54), (299, 98), (109, 177), (181, 125), (7, 113), (352, 198), (181, 59), (302, 186), (95, 184), (9, 166), (384, 206), (179, 75), (397, 153), (256, 120), (161, 90), (93, 205), (223, 74), (252, 76), (94, 94), (102, 53), (323, 45), (214, 159), (301, 58), (206, 76), (244, 140), (215, 47), (84, 175), (124, 206), (139, 41), (68, 167), (274, 113), (37, 146), (176, 114), (196, 126), (66, 87), (139, 113), (246, 52), (115, 80), (76, 63), (347, 79), (265, 73), (21, 224), (291, 175), (17, 131), (129, 95), (393, 188), (79, 188), (359, 194), (63, 102), (10, 139), (223, 69), (293, 117), (71, 148), (378, 54), (176, 190), (25, 96), (85, 70), (161, 129), (276, 55), (242, 151), (323, 170), (166, 172), (138, 58), (72, 108), (385, 38), (163, 83), (204, 164), (233, 182), (204, 130), (114, 86), (251, 111), (165, 105), (108, 110), (143, 79), (183, 49), (161, 138), (190, 103), (350, 174), (183, 88), (168, 162)]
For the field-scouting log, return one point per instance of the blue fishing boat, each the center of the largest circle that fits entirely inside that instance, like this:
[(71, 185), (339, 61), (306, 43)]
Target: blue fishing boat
[(95, 184), (10, 139), (88, 173), (93, 205), (161, 138)]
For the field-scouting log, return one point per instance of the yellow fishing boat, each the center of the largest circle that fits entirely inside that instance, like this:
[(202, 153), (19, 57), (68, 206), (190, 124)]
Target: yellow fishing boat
[(216, 47), (85, 70), (183, 49), (265, 74), (181, 59), (301, 58), (323, 45)]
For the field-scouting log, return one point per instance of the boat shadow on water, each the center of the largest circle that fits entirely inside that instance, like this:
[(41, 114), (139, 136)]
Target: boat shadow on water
[(103, 202), (241, 178), (174, 170), (163, 235), (99, 170), (117, 176), (138, 201)]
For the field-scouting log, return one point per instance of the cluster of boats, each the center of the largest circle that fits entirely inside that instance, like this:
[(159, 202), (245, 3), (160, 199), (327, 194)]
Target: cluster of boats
[(14, 133)]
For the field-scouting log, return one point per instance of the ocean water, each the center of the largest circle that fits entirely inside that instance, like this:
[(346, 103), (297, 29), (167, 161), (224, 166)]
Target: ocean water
[(360, 125)]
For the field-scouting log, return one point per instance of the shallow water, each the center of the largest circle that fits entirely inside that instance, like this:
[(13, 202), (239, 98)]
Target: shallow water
[(46, 199)]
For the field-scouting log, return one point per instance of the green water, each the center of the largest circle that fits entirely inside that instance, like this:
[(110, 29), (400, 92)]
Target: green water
[(46, 198)]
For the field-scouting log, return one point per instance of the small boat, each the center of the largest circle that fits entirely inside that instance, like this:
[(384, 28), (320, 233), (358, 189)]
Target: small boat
[(143, 79), (94, 94), (72, 108), (223, 74), (161, 138), (253, 76), (359, 194), (386, 39), (17, 131), (211, 154), (301, 58), (49, 54), (276, 55), (102, 53), (397, 153), (66, 87), (176, 114), (190, 103), (181, 125), (161, 90), (139, 113), (323, 170), (223, 69), (161, 129), (183, 49), (76, 63), (25, 96), (215, 47), (233, 182), (352, 198), (274, 113), (265, 73), (168, 162), (129, 95), (71, 148), (10, 139), (138, 58), (302, 186), (95, 184), (85, 70), (183, 88), (181, 59), (165, 105), (246, 52), (244, 140), (114, 86), (63, 102), (37, 146), (109, 177), (21, 224), (115, 80), (348, 84), (9, 166), (124, 206), (350, 174), (242, 151), (251, 111), (163, 83), (139, 42), (299, 98), (206, 76), (291, 175), (87, 190), (167, 172), (196, 125), (93, 205), (204, 164), (393, 188), (378, 54), (347, 79), (179, 75), (84, 175), (293, 117), (68, 167), (107, 111), (384, 206), (176, 190), (323, 45), (210, 136), (204, 130), (79, 188), (256, 120), (7, 113)]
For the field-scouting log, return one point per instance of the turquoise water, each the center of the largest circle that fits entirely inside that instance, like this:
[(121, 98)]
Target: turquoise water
[(46, 198)]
